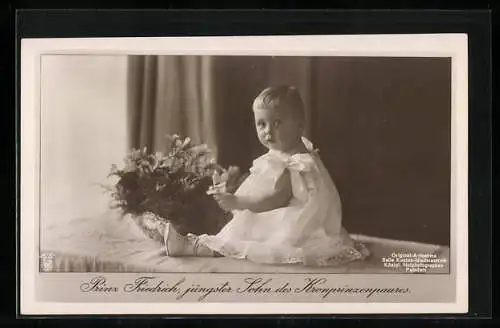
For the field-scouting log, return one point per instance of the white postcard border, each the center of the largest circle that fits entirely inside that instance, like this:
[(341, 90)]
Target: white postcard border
[(429, 45)]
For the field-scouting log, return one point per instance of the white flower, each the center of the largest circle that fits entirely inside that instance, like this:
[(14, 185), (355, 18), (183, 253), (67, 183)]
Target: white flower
[(200, 149), (216, 178), (149, 223), (182, 143), (186, 142)]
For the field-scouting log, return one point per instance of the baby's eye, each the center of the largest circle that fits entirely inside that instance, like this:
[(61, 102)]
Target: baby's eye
[(260, 124)]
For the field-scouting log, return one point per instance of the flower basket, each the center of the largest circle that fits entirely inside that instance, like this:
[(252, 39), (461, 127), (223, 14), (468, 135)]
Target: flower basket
[(155, 188)]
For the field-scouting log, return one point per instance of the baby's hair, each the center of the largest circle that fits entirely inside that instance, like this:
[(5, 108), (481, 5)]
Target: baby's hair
[(281, 97)]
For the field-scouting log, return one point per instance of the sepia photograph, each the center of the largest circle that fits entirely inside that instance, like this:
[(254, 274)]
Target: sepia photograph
[(253, 166), (245, 164)]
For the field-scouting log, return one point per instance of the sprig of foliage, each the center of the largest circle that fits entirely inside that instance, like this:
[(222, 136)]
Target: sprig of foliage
[(172, 186)]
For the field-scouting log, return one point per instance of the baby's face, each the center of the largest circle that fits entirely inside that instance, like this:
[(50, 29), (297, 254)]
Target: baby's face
[(277, 130)]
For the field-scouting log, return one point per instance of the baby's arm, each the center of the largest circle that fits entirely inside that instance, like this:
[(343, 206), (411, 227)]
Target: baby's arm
[(278, 197)]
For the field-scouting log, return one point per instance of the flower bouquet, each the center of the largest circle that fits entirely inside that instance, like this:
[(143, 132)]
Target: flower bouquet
[(156, 188)]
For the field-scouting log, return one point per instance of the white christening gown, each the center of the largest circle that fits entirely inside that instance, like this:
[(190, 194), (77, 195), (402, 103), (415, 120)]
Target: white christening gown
[(309, 230)]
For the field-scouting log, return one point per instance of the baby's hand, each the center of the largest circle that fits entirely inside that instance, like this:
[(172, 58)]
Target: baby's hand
[(217, 189), (226, 201)]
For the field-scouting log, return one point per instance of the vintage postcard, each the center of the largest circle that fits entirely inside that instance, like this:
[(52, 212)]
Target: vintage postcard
[(244, 175)]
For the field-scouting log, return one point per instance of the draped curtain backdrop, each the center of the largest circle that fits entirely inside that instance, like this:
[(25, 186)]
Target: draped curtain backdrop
[(382, 126), (168, 95), (206, 98)]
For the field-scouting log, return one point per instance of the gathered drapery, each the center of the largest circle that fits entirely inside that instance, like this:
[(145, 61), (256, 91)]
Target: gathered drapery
[(207, 99), (171, 95)]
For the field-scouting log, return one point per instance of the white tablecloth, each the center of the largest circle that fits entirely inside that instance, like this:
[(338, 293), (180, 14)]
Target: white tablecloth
[(109, 243)]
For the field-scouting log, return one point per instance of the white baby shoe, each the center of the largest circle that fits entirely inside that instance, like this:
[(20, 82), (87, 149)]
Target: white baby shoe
[(177, 245)]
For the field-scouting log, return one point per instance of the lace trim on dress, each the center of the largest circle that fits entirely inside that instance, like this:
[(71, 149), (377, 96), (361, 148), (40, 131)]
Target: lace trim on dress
[(346, 255)]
